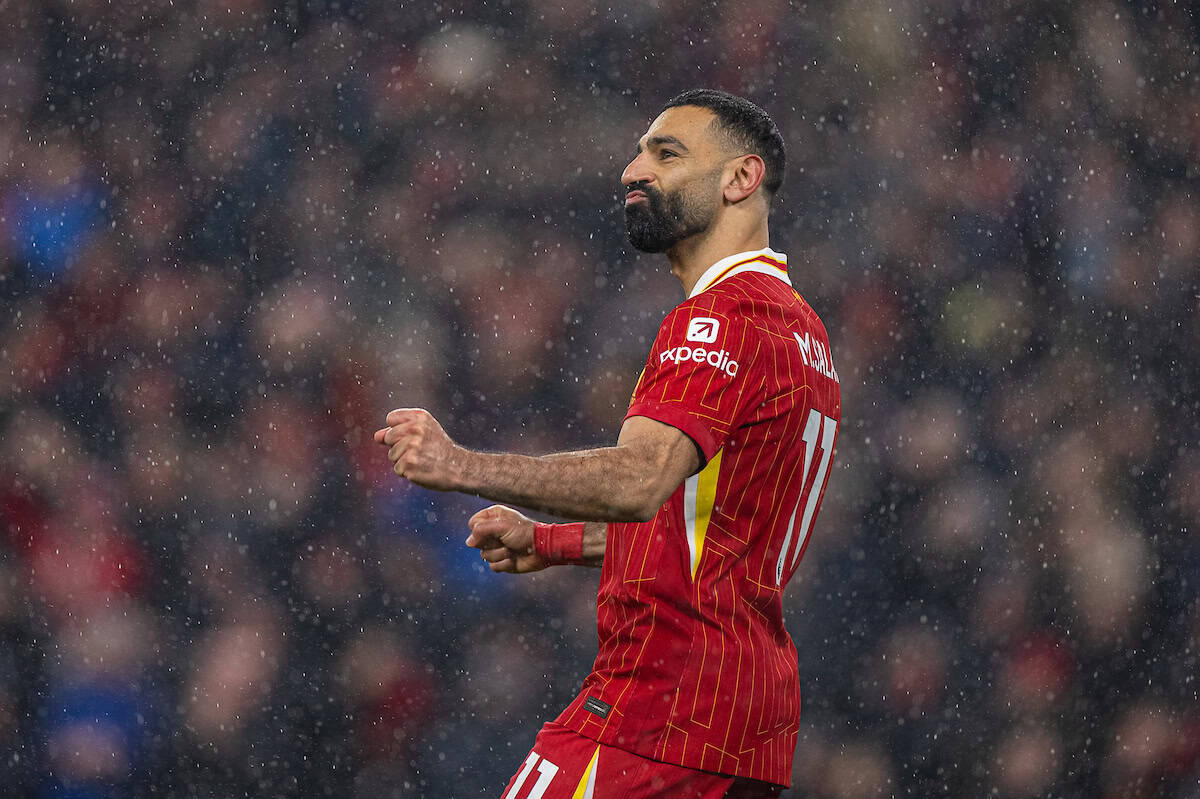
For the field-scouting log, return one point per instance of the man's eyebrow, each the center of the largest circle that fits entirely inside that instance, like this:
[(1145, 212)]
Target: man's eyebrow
[(659, 141)]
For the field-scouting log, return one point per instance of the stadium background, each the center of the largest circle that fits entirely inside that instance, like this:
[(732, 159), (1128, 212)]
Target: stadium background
[(233, 235)]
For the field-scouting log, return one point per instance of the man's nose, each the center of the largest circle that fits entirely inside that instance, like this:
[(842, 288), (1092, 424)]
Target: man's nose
[(636, 171)]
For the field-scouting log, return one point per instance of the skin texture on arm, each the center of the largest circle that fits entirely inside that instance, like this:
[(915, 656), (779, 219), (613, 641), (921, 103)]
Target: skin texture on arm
[(504, 538), (623, 483), (595, 539)]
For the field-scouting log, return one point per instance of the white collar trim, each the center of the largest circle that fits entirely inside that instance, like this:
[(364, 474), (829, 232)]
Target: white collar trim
[(745, 262)]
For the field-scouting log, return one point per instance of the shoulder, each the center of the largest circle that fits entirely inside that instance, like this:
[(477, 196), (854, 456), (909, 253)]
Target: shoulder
[(749, 296), (716, 322), (707, 313), (737, 291)]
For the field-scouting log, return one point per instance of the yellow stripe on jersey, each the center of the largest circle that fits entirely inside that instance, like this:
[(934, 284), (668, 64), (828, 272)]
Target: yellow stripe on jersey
[(587, 783), (638, 384), (699, 496)]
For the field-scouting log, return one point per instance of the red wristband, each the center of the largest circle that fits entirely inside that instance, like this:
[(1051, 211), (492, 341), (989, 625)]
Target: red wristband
[(559, 544)]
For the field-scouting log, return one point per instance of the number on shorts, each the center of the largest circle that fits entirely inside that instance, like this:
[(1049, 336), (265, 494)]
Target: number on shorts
[(546, 772)]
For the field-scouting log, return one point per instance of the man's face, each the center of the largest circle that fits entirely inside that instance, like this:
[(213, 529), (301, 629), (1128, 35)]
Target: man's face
[(674, 183)]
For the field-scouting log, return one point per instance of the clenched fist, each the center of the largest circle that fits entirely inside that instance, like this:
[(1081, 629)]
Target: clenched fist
[(504, 539), (420, 450)]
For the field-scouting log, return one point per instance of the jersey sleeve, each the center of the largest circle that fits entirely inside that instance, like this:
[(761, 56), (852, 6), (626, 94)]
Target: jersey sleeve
[(701, 376)]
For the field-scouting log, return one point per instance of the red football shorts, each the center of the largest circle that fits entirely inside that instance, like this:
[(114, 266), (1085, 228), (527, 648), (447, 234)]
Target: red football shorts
[(567, 765)]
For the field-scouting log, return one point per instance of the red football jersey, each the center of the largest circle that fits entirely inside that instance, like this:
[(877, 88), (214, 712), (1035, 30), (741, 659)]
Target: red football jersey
[(695, 666)]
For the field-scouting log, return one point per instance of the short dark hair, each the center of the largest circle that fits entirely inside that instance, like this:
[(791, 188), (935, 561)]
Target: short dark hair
[(747, 125)]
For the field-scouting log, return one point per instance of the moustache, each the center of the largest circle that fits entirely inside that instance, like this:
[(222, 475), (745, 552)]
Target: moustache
[(654, 199), (652, 195)]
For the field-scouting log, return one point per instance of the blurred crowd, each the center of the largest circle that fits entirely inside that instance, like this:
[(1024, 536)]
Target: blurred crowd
[(235, 233)]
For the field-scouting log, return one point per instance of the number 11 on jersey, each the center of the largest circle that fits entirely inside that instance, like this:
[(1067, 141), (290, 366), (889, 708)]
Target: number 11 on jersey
[(818, 426)]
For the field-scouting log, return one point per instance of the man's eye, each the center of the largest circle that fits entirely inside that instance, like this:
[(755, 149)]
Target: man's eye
[(667, 154)]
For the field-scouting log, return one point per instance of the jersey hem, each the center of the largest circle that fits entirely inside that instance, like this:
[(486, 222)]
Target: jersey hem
[(601, 739)]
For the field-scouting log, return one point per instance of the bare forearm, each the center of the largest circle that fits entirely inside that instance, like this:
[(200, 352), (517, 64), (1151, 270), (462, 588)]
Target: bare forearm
[(599, 485), (625, 483), (595, 539)]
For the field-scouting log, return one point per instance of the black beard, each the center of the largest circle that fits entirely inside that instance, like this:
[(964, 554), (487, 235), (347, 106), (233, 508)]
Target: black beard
[(662, 221)]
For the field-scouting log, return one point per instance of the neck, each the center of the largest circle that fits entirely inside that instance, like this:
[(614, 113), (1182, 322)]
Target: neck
[(691, 257)]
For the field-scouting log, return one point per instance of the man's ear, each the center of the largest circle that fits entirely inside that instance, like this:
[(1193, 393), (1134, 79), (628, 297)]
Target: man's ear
[(748, 174)]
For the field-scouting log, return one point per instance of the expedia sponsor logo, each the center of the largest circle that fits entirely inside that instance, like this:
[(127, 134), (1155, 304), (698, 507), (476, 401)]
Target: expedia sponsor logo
[(718, 359), (703, 329)]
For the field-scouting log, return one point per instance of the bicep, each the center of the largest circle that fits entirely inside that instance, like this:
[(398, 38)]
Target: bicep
[(669, 454)]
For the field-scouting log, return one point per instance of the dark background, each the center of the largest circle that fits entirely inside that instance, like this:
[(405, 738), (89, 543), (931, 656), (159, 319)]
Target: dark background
[(234, 234)]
